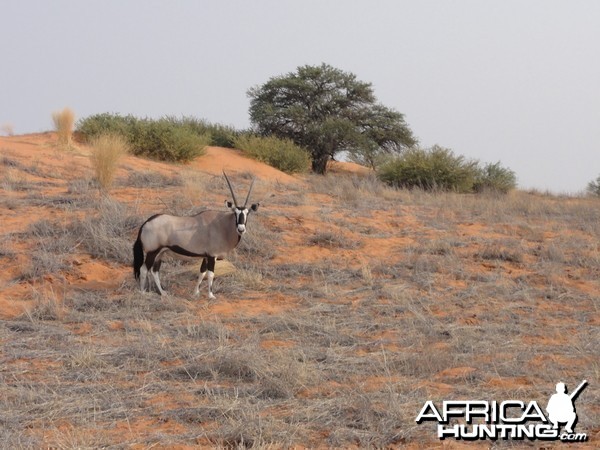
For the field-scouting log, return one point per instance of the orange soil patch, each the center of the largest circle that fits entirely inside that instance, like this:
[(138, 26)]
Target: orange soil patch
[(509, 383), (348, 167), (455, 372), (219, 159), (276, 343), (274, 304), (97, 275)]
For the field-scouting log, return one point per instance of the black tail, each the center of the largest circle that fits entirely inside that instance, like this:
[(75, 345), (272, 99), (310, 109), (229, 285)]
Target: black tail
[(138, 250), (138, 256)]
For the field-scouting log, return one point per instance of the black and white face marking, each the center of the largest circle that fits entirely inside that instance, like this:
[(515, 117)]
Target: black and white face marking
[(241, 215)]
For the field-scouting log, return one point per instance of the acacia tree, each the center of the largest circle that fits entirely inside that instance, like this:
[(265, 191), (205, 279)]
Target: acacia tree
[(326, 110), (593, 187)]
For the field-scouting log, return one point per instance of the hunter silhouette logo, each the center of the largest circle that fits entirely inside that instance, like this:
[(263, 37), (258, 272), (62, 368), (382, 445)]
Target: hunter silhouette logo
[(560, 406), (509, 419)]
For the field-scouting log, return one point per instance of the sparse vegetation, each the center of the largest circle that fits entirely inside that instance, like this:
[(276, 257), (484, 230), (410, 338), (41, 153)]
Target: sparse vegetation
[(106, 150), (331, 239), (282, 154), (151, 180), (64, 122), (340, 314), (106, 233)]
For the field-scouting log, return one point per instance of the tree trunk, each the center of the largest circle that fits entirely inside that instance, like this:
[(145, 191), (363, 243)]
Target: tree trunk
[(319, 164)]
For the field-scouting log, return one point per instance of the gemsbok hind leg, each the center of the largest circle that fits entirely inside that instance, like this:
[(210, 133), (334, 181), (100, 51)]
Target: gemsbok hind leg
[(143, 277), (155, 274), (152, 264), (201, 275)]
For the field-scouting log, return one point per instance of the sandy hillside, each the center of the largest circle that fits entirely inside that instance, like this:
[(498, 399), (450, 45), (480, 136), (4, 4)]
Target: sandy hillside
[(346, 306)]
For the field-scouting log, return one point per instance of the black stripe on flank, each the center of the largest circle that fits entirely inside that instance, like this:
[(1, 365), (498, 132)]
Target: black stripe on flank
[(182, 251)]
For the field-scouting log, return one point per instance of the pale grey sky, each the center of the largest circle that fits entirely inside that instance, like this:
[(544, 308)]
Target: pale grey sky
[(512, 80)]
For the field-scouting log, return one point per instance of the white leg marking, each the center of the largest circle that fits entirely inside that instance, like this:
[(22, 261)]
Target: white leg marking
[(200, 278), (157, 282), (211, 275), (155, 275), (143, 276)]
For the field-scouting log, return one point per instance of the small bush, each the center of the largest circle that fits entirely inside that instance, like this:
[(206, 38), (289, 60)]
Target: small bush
[(282, 154), (63, 123), (166, 139), (495, 178), (223, 135), (106, 123), (106, 151), (437, 168)]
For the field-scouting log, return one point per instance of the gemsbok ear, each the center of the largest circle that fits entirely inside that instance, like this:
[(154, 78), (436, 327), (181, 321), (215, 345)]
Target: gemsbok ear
[(255, 206), (228, 204)]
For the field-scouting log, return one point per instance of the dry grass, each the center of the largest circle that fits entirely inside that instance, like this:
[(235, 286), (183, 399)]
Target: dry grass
[(64, 122), (7, 129), (106, 151), (446, 297)]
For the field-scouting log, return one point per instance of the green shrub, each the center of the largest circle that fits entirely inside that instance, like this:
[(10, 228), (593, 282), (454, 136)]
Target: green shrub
[(166, 139), (593, 187), (223, 135), (430, 169), (105, 123), (282, 154), (495, 178), (220, 135)]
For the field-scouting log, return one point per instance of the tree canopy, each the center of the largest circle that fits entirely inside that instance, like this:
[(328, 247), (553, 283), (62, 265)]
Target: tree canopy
[(327, 110)]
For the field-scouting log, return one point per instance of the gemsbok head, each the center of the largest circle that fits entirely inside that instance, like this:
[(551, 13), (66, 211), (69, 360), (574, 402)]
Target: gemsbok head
[(209, 235)]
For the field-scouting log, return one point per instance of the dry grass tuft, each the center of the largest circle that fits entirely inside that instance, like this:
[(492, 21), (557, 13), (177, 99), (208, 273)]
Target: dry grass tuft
[(330, 239), (106, 150), (64, 122), (7, 129)]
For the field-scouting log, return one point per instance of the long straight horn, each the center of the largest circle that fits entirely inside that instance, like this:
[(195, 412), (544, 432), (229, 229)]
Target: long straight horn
[(231, 189), (249, 190)]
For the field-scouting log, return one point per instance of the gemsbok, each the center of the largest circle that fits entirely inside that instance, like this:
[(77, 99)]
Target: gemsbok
[(209, 235)]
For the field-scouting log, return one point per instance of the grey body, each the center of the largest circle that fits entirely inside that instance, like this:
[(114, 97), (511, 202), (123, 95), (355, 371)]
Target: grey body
[(210, 235)]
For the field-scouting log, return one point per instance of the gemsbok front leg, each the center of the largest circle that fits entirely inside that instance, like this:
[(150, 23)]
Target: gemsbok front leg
[(201, 275), (211, 275)]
